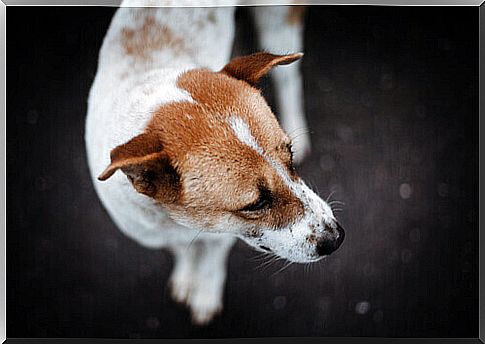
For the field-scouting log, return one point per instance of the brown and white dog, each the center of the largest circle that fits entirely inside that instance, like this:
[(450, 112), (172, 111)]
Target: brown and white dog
[(202, 159)]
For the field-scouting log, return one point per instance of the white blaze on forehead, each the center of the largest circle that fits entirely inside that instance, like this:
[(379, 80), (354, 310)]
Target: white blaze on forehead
[(243, 133)]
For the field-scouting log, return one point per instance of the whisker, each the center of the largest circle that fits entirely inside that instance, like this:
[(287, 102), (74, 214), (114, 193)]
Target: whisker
[(312, 185), (299, 134), (316, 189), (336, 202), (276, 259), (296, 129), (266, 263), (273, 262), (330, 195), (261, 264), (259, 256), (282, 269)]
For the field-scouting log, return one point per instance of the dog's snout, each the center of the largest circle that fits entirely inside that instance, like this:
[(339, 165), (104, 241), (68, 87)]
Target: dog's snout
[(341, 235), (331, 240)]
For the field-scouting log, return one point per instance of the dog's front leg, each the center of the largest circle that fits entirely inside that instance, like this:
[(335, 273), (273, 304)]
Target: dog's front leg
[(182, 278), (199, 276), (280, 31)]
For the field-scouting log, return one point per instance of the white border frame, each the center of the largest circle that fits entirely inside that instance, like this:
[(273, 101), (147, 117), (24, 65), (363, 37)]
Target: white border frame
[(116, 3)]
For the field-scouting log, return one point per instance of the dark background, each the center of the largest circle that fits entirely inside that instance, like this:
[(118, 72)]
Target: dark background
[(391, 98)]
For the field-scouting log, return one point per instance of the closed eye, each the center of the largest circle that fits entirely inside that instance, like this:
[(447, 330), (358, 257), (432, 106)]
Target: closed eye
[(264, 202), (289, 147)]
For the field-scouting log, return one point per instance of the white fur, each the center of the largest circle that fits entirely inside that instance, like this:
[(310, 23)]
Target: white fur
[(124, 94)]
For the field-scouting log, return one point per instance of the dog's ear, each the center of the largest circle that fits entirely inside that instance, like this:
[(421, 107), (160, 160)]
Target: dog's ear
[(253, 67), (148, 168)]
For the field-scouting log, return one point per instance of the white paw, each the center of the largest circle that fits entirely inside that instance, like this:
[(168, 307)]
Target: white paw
[(204, 306), (301, 146), (180, 287)]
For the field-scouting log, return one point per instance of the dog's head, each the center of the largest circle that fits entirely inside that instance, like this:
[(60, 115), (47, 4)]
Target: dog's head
[(222, 163)]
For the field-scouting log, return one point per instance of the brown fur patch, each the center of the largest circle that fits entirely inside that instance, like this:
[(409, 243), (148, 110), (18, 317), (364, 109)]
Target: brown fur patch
[(296, 15), (219, 175), (151, 36), (211, 16), (210, 20)]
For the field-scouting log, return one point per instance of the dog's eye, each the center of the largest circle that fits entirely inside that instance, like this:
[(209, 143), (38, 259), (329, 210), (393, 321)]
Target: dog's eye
[(260, 204), (264, 202)]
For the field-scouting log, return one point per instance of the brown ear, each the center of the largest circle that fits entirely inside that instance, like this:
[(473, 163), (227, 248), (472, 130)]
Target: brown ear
[(147, 167), (252, 67)]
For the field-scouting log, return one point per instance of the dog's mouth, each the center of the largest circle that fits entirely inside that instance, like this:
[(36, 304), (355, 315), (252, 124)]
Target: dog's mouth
[(299, 251), (309, 260)]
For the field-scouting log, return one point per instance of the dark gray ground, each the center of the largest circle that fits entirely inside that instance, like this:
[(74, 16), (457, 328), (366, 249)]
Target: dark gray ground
[(391, 97)]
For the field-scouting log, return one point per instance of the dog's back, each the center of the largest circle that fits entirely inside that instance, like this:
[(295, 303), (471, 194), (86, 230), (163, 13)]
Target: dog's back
[(148, 38)]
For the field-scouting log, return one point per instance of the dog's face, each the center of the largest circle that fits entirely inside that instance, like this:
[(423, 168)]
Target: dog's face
[(223, 164)]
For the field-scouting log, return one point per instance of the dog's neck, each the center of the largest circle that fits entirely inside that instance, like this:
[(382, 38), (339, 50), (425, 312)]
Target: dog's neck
[(146, 92)]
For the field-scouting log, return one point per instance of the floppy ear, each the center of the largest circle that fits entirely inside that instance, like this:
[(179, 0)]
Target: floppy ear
[(252, 67), (147, 167)]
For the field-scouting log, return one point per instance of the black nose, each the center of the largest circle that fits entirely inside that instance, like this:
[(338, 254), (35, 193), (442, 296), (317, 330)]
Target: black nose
[(331, 240)]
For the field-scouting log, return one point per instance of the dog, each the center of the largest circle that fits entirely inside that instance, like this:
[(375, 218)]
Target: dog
[(185, 153)]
